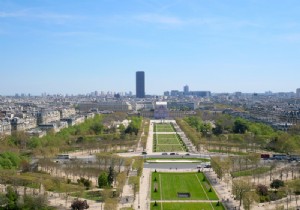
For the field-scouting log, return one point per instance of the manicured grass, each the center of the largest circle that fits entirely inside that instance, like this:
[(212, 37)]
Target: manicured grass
[(260, 170), (167, 143), (169, 148), (169, 184), (164, 127), (187, 206), (90, 195), (167, 139)]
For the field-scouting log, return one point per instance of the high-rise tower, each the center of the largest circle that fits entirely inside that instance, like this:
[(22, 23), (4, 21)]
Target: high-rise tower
[(298, 92), (186, 90), (140, 84)]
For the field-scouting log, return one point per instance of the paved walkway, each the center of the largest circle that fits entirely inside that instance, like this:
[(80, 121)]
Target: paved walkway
[(149, 145), (142, 200), (223, 191), (127, 197)]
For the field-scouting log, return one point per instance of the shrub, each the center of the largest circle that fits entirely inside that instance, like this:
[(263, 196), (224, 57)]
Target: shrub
[(262, 190), (277, 183)]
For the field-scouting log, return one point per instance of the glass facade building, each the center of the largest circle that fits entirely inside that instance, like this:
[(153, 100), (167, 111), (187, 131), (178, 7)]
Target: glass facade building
[(140, 84)]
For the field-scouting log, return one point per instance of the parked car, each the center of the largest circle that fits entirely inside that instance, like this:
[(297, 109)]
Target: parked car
[(164, 153), (187, 154), (144, 153), (172, 153)]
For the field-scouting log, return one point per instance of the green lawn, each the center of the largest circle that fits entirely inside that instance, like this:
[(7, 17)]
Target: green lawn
[(167, 143), (187, 206), (169, 184), (167, 139), (259, 170), (169, 148), (164, 127), (90, 195)]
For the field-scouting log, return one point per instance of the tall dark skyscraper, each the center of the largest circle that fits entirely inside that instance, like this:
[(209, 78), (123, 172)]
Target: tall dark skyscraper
[(140, 84)]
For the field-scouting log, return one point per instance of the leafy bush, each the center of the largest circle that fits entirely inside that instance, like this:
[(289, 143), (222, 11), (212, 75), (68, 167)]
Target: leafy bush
[(262, 190), (277, 183)]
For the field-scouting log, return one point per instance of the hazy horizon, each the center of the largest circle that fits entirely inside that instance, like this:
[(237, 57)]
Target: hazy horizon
[(76, 47)]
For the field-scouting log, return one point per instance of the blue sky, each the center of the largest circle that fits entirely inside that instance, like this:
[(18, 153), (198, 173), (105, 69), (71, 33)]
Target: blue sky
[(79, 46)]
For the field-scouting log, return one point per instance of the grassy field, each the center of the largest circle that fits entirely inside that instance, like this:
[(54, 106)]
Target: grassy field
[(167, 143), (164, 127), (187, 206), (169, 184), (259, 170), (169, 148), (167, 139)]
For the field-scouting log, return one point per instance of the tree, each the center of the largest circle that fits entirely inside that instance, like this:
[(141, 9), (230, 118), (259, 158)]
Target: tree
[(248, 199), (111, 176), (12, 197), (79, 205), (262, 190), (33, 202), (240, 126), (86, 182), (102, 180), (3, 200), (217, 130), (97, 128), (134, 125), (239, 188), (276, 184)]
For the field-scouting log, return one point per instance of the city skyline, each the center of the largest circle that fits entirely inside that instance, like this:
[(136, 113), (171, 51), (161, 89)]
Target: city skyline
[(79, 47)]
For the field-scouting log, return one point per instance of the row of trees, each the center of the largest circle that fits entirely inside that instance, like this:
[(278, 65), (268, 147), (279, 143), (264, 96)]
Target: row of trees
[(215, 128), (247, 194), (227, 124), (11, 200)]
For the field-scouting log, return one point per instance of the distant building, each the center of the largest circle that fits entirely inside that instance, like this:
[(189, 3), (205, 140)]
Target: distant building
[(186, 90), (140, 84), (22, 124), (67, 112), (166, 93), (174, 92), (105, 105), (298, 93), (5, 127), (200, 93), (47, 116), (181, 105), (161, 110), (238, 94)]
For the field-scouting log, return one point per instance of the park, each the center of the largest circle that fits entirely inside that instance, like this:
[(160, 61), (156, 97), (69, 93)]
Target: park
[(171, 190)]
